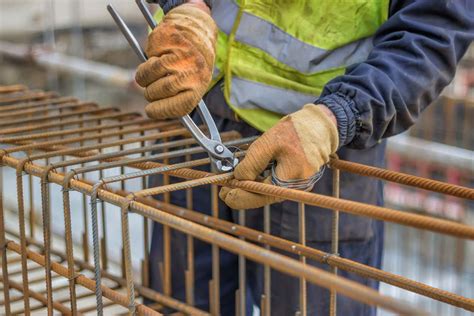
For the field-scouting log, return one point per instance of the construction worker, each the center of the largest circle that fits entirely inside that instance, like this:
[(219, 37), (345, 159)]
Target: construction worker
[(317, 78)]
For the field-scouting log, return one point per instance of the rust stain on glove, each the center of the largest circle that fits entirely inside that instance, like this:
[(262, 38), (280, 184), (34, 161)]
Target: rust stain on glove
[(181, 52), (299, 143)]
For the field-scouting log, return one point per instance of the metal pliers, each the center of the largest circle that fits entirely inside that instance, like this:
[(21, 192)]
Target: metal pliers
[(222, 159)]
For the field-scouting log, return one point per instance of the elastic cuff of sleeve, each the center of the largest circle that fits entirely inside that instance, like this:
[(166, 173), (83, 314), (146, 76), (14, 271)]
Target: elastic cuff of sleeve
[(168, 5), (342, 107)]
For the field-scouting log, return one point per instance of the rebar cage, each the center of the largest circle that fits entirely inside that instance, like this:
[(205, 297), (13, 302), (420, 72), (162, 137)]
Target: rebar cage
[(100, 157)]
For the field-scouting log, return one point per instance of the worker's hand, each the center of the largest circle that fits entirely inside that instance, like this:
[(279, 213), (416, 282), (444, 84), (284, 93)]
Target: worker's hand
[(181, 52), (300, 144)]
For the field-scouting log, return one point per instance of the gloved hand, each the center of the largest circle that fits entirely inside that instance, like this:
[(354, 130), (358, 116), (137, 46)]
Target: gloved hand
[(299, 143), (181, 52)]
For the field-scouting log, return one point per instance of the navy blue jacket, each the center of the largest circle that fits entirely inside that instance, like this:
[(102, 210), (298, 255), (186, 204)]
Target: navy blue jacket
[(414, 57)]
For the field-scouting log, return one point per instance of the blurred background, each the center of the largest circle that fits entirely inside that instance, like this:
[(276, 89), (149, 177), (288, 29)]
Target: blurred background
[(73, 47)]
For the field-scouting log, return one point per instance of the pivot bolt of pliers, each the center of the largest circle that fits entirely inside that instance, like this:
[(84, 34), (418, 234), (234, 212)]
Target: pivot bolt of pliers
[(219, 149)]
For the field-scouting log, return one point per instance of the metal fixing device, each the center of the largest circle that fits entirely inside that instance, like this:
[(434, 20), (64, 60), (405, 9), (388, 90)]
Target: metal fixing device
[(222, 159)]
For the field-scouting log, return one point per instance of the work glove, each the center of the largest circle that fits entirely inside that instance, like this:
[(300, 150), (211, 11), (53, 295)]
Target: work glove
[(299, 144), (181, 52)]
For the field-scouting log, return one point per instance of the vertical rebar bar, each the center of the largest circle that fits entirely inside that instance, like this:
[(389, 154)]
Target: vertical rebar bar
[(3, 249), (267, 273), (146, 231), (21, 223), (31, 206), (69, 246), (189, 273), (242, 272), (128, 257), (215, 307), (302, 240), (166, 237), (334, 238), (45, 213)]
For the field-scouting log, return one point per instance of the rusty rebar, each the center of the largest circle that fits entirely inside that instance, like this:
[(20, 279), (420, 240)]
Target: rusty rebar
[(82, 280), (39, 109), (403, 178)]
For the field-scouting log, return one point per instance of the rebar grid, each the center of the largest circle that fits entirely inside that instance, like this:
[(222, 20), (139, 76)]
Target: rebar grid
[(66, 142)]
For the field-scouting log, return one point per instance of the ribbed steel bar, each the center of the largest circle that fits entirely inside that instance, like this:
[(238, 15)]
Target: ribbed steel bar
[(26, 97), (186, 221), (302, 241), (69, 246), (37, 296), (46, 226), (12, 88), (276, 261), (335, 261), (32, 112), (258, 254), (403, 178), (31, 137), (22, 230), (82, 280), (109, 115), (89, 109), (143, 291), (357, 208), (95, 232), (77, 139), (241, 299), (334, 238), (3, 249), (87, 151), (381, 213), (121, 178), (42, 103)]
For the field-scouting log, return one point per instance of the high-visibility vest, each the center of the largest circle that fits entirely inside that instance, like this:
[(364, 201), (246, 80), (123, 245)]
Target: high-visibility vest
[(276, 55)]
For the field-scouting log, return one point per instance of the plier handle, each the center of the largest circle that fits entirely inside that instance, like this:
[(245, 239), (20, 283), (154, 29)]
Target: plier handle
[(222, 159)]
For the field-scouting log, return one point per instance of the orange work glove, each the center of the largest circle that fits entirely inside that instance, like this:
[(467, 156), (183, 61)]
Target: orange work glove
[(299, 143), (181, 52)]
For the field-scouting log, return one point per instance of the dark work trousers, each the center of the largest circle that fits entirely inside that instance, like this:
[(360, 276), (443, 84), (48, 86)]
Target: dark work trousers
[(361, 239)]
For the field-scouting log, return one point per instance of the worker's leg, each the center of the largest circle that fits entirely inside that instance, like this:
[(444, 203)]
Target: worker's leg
[(202, 251), (202, 259), (285, 289)]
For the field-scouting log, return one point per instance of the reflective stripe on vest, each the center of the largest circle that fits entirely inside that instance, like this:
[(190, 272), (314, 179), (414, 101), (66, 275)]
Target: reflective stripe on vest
[(276, 64)]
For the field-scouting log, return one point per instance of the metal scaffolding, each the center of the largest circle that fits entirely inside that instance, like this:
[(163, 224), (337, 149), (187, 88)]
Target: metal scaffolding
[(66, 142)]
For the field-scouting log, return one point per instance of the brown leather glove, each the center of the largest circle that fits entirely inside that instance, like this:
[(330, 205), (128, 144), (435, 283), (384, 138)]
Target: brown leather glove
[(181, 52), (299, 143)]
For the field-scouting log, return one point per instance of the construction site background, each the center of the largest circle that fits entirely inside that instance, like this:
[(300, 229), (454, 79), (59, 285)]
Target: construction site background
[(74, 48)]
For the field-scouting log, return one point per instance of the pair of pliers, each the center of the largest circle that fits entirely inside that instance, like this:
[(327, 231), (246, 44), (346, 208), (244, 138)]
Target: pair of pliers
[(222, 159)]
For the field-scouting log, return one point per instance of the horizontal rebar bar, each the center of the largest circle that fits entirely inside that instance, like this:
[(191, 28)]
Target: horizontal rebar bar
[(143, 291), (12, 88), (276, 261), (321, 256), (27, 96), (81, 279), (40, 114), (66, 123), (37, 296), (42, 103), (403, 178)]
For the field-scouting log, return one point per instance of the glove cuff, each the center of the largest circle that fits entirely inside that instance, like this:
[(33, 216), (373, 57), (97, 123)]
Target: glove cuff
[(317, 133)]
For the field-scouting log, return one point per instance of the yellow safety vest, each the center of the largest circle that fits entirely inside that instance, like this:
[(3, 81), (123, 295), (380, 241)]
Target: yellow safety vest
[(276, 55)]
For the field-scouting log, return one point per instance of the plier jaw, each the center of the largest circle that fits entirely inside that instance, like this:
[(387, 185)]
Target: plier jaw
[(222, 159)]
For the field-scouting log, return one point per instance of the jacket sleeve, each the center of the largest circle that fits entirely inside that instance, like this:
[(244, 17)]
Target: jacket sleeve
[(167, 5), (414, 57)]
